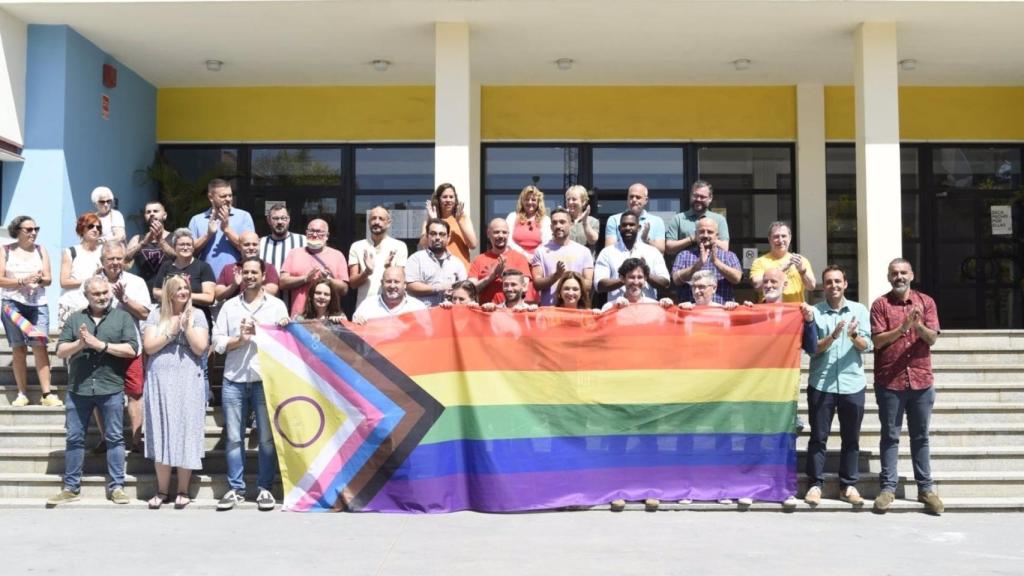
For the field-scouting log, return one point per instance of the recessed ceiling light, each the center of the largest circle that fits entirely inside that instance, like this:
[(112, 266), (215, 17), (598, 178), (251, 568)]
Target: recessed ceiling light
[(214, 65), (741, 64), (564, 63), (908, 64), (381, 65)]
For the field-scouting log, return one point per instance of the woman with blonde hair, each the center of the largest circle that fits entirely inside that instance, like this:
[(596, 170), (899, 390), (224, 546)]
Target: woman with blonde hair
[(444, 204), (175, 338), (529, 225), (585, 228)]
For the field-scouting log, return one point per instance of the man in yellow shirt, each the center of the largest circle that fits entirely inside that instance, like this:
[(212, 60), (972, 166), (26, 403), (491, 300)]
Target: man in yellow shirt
[(797, 269)]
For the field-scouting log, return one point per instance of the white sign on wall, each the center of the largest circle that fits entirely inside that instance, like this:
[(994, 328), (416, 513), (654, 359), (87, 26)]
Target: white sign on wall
[(1002, 220)]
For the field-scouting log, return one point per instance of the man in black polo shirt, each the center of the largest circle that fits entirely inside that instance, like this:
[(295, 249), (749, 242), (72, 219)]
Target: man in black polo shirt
[(97, 342)]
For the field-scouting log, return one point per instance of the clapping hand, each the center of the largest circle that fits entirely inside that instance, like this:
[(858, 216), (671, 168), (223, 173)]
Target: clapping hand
[(431, 210), (839, 329), (118, 290), (390, 260), (583, 215), (798, 261), (647, 231), (851, 330), (89, 339), (459, 208), (368, 262)]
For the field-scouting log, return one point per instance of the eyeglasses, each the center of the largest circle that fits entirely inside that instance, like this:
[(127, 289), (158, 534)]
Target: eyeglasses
[(104, 201), (316, 232), (29, 229), (94, 227)]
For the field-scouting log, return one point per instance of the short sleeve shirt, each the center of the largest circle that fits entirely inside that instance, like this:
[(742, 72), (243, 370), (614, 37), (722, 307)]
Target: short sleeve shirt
[(905, 363), (611, 257), (113, 219), (299, 262), (218, 251), (574, 255), (684, 225), (422, 266), (95, 373), (579, 234), (724, 291), (794, 291), (197, 272), (381, 251), (486, 261), (839, 369), (611, 227)]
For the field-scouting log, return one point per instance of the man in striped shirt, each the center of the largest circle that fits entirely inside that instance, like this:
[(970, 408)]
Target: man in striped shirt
[(275, 247)]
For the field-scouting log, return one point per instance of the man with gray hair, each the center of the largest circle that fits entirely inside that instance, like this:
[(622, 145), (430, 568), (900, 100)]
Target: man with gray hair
[(130, 293), (97, 342), (652, 228)]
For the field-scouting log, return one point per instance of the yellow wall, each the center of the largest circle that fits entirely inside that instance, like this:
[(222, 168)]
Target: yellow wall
[(938, 113), (638, 112), (406, 113), (295, 113)]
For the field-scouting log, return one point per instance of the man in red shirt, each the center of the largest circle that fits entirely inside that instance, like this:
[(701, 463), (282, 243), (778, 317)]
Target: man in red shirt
[(904, 327), (486, 269)]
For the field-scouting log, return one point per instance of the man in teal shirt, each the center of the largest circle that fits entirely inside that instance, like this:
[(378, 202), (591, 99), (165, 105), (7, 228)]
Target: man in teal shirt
[(836, 384)]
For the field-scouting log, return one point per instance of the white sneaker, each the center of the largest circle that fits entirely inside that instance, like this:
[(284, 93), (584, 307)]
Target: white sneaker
[(790, 503), (725, 501), (20, 401), (685, 501), (745, 502)]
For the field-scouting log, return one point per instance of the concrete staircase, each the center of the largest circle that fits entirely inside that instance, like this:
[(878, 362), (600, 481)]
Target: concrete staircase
[(977, 438)]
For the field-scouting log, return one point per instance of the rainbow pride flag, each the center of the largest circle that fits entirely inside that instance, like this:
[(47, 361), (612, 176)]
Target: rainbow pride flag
[(447, 410)]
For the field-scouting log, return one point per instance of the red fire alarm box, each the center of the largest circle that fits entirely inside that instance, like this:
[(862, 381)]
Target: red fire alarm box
[(109, 76)]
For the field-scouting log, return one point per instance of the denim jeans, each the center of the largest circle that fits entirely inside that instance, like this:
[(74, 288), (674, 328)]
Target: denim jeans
[(79, 412), (237, 399), (917, 404), (821, 409)]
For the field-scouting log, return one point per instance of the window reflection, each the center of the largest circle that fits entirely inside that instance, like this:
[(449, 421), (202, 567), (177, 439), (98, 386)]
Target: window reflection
[(296, 167), (658, 168), (980, 168), (395, 168), (552, 169)]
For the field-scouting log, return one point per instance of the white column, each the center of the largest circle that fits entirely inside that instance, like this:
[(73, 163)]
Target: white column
[(811, 233), (879, 221), (456, 115), (13, 65)]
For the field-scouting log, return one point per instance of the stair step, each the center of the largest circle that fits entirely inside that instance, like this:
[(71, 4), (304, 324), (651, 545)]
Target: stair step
[(51, 461), (53, 437), (948, 484)]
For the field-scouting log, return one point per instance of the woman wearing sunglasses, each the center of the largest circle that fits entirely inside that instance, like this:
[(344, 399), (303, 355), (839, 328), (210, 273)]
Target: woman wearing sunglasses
[(77, 263), (112, 220), (24, 276)]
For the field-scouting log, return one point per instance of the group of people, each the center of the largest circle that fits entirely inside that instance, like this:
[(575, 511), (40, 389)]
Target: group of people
[(143, 340)]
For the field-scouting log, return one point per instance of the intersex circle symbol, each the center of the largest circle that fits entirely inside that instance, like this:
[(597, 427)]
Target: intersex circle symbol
[(320, 414)]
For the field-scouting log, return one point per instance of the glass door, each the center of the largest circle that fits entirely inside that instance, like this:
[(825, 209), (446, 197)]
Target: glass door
[(976, 238)]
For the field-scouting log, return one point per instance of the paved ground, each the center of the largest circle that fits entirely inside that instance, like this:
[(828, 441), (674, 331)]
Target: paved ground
[(194, 542)]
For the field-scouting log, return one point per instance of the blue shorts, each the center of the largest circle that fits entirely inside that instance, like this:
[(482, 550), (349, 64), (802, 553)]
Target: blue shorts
[(39, 316)]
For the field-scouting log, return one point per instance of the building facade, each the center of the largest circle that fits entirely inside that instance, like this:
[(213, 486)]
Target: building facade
[(877, 128)]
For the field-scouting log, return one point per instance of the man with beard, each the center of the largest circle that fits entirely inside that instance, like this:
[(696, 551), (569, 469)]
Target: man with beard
[(216, 229), (836, 384), (560, 255), (392, 299), (130, 293), (799, 275), (904, 327), (634, 274), (97, 343), (229, 283), (486, 269), (148, 250), (706, 255), (242, 390), (309, 264), (432, 271), (276, 246), (513, 288), (368, 258), (612, 257), (681, 233), (636, 204)]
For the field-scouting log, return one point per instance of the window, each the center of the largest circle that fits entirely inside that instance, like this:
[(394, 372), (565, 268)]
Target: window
[(399, 178), (616, 168)]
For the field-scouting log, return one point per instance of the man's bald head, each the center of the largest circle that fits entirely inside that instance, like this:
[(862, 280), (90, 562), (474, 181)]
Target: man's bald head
[(249, 244), (772, 285), (497, 233)]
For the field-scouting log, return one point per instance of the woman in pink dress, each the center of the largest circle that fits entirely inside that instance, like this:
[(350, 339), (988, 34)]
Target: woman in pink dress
[(529, 226)]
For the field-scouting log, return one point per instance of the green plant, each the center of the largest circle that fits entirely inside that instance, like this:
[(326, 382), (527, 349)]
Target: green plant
[(182, 197)]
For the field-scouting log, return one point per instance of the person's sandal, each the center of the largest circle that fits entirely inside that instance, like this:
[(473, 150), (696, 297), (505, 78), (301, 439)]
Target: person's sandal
[(157, 501), (181, 501)]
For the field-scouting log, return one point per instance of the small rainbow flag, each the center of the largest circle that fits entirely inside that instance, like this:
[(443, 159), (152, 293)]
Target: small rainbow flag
[(447, 410), (26, 327)]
